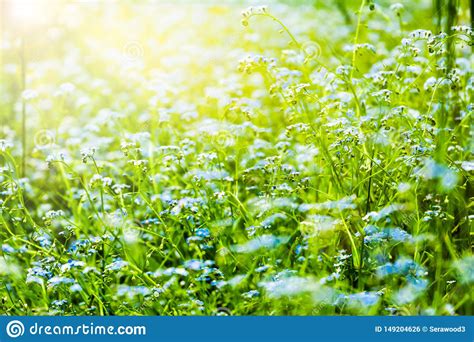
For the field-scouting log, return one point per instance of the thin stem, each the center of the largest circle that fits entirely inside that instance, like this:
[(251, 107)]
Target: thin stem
[(23, 107), (101, 190), (283, 26), (356, 38)]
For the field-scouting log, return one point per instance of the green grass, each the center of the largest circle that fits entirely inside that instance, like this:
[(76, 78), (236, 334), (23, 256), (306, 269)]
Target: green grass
[(172, 161)]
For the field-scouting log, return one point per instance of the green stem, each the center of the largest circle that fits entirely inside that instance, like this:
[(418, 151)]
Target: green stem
[(356, 38)]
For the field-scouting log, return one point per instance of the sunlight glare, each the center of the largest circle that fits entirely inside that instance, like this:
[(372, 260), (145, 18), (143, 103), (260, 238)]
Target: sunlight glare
[(29, 13)]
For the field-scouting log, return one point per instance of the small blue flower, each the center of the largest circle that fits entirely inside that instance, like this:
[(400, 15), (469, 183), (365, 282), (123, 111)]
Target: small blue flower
[(30, 279), (203, 232), (57, 281), (359, 300), (8, 249), (251, 294), (75, 288), (72, 264), (262, 269), (117, 265), (132, 291), (59, 303), (414, 289)]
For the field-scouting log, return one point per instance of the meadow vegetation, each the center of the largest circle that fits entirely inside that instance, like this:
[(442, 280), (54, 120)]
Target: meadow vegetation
[(214, 159)]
